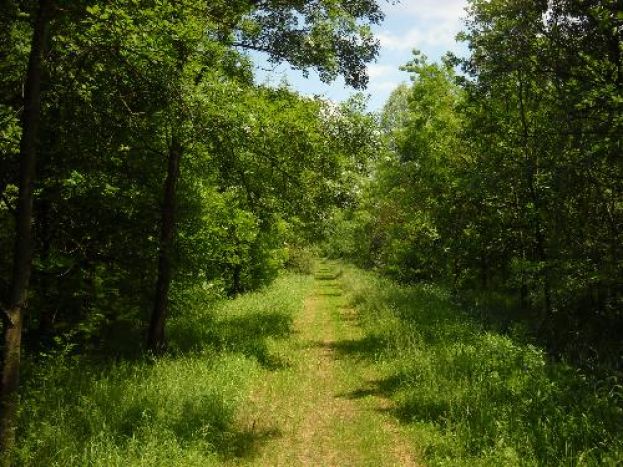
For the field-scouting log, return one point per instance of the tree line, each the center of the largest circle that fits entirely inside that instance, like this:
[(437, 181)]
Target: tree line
[(504, 179), (139, 161)]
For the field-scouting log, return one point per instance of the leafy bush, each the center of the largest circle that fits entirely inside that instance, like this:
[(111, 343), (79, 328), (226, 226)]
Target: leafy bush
[(301, 260)]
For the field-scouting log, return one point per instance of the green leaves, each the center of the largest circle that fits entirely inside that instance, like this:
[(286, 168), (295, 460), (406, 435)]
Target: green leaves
[(125, 78), (329, 35)]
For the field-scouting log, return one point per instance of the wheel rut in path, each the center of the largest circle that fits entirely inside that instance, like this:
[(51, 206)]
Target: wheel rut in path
[(308, 407)]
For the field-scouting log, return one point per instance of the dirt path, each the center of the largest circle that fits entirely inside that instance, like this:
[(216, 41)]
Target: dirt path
[(318, 410)]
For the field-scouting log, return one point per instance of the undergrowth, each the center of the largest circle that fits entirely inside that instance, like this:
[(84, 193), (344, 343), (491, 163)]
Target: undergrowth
[(177, 410), (474, 397)]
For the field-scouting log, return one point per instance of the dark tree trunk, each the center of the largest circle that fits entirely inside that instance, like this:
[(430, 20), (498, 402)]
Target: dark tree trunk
[(236, 286), (484, 272), (22, 260), (155, 337)]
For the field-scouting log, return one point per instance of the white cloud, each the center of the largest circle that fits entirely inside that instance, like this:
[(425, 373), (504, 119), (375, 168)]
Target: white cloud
[(440, 35), (440, 9), (432, 23), (383, 86), (379, 71)]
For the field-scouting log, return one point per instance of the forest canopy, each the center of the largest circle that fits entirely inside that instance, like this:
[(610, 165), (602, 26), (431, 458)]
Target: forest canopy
[(503, 176)]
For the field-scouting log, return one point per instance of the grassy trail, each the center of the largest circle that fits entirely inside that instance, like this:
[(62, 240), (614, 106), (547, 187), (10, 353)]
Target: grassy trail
[(319, 408)]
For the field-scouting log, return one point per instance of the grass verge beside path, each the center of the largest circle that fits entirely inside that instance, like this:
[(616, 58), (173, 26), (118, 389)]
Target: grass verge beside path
[(178, 410), (266, 379), (471, 397)]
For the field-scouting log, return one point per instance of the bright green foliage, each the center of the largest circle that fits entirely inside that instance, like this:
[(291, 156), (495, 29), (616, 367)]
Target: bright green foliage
[(406, 210), (269, 170), (503, 183), (506, 181), (126, 86), (259, 166)]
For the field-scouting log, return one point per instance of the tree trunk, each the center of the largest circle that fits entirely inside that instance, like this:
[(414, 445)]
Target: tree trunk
[(22, 260), (155, 337), (236, 287)]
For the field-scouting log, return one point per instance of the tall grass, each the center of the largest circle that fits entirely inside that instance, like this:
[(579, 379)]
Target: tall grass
[(176, 410), (475, 397)]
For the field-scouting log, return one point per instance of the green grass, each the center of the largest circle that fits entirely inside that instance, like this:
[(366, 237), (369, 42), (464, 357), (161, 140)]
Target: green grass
[(462, 395), (176, 410), (472, 397), (311, 406)]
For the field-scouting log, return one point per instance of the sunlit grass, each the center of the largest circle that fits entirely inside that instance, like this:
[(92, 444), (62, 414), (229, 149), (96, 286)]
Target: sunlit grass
[(467, 396), (178, 410), (474, 397)]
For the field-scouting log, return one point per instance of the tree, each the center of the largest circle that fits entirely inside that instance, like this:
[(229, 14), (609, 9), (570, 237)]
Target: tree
[(506, 179), (410, 205), (117, 120), (330, 39), (22, 259), (545, 93)]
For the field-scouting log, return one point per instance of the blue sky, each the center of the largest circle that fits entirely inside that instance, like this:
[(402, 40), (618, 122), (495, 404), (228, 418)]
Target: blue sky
[(427, 25)]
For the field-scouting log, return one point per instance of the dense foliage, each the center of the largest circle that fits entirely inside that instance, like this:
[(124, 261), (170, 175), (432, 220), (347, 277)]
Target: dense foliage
[(476, 397), (505, 181), (139, 160), (142, 171)]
